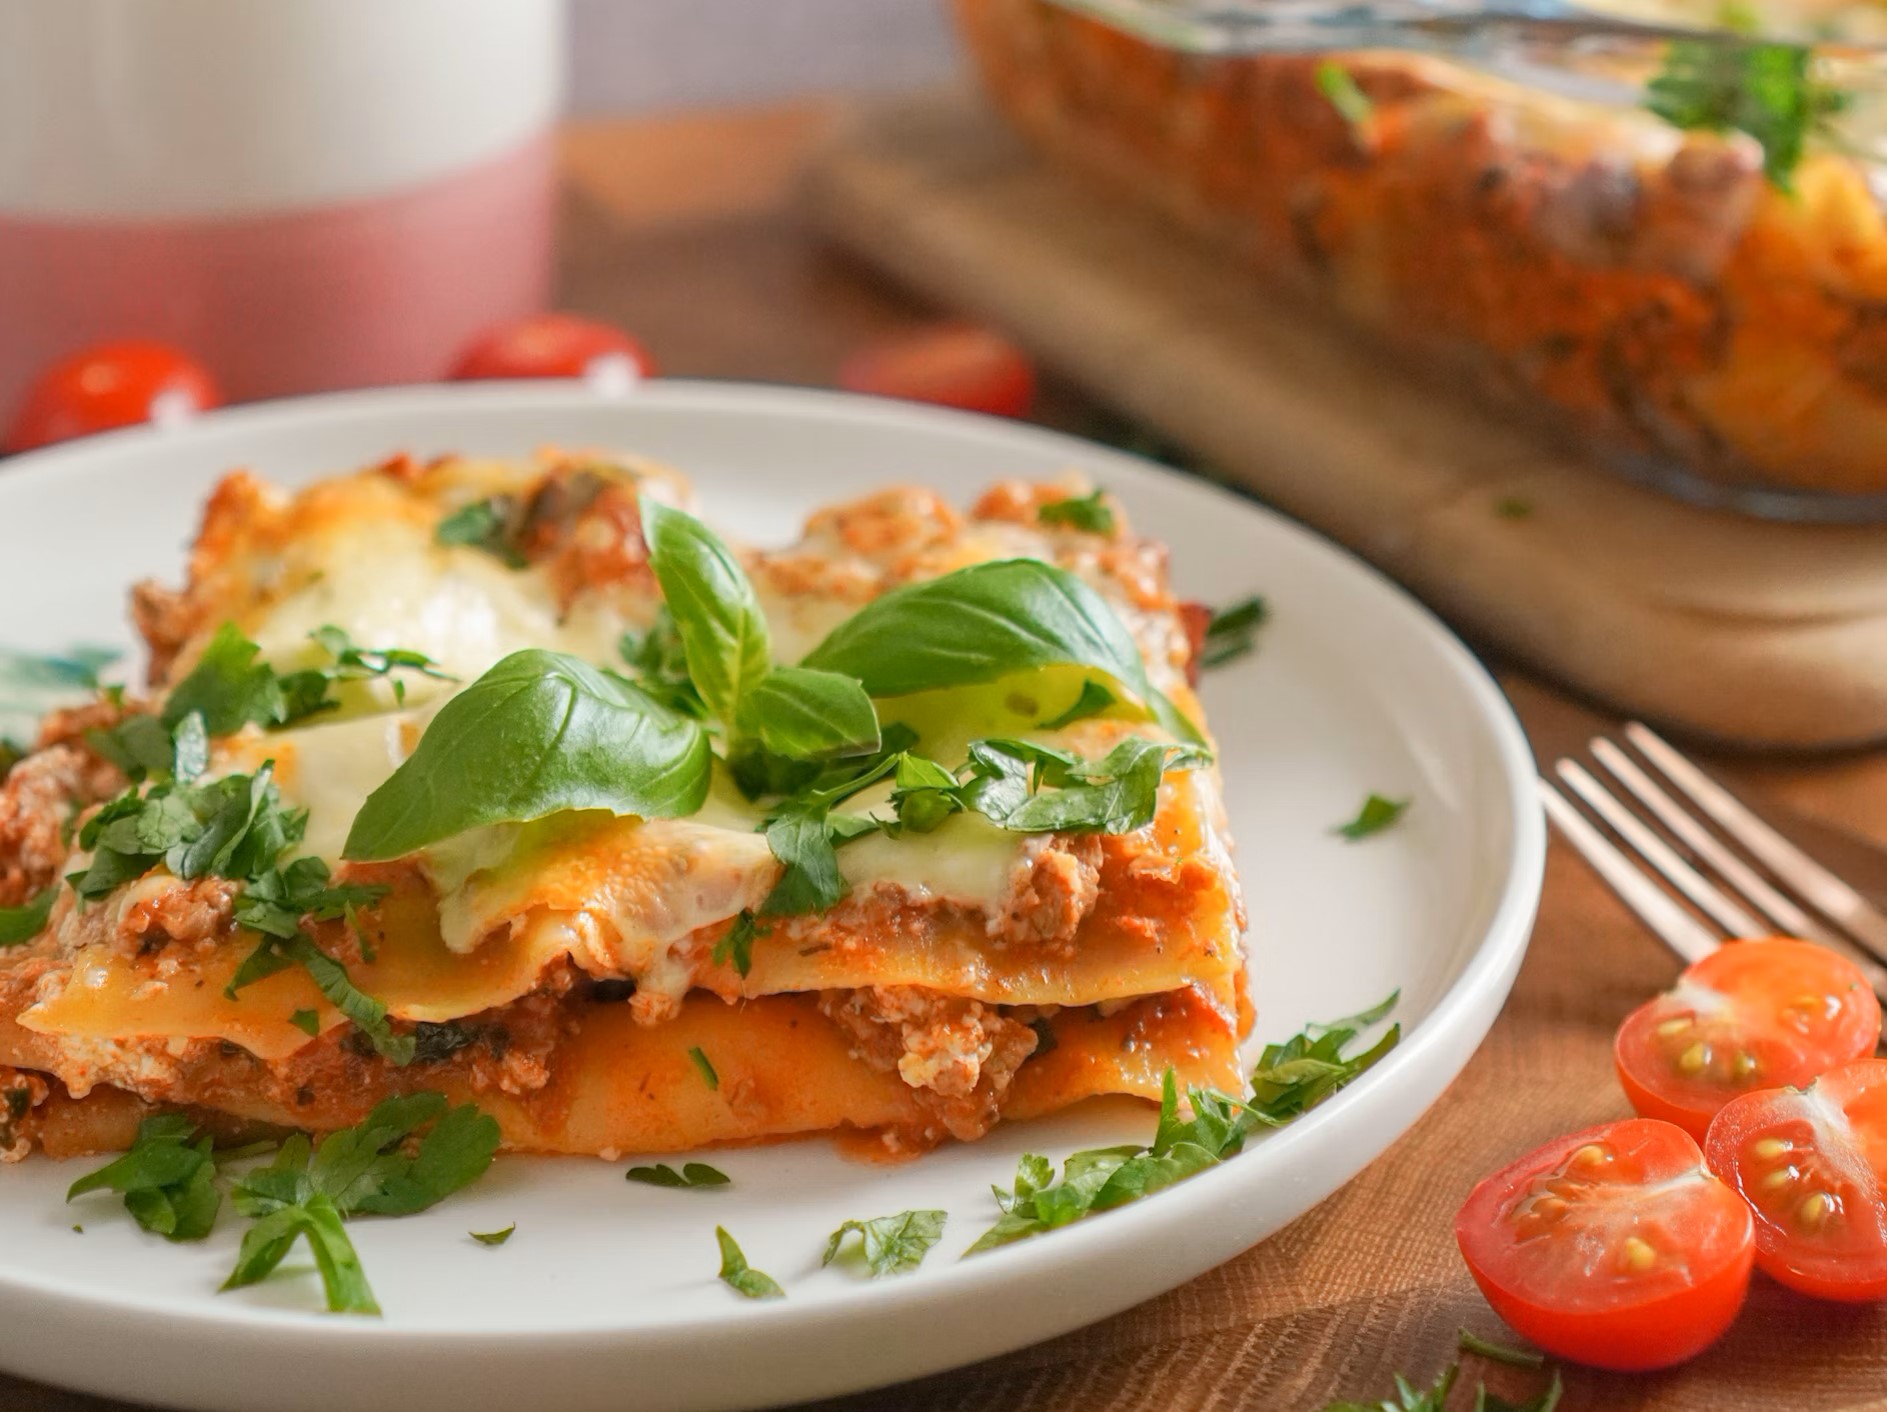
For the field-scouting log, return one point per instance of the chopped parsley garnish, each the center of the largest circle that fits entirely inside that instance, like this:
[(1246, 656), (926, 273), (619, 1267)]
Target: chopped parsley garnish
[(1377, 814), (692, 1174), (1513, 507), (234, 827), (1340, 87), (660, 666), (493, 1237), (307, 1021), (274, 953), (736, 943), (1290, 1079), (167, 1179), (378, 1167), (1089, 512), (737, 1272), (19, 925), (231, 687), (1232, 632), (891, 1245), (704, 1067), (1763, 89), (491, 524)]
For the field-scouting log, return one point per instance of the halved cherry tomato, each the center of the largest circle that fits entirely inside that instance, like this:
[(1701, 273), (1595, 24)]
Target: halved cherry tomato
[(549, 346), (1614, 1246), (110, 385), (1812, 1163), (952, 365), (1752, 1015)]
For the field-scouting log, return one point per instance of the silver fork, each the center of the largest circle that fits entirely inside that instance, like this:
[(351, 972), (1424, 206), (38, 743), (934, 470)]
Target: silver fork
[(1701, 820)]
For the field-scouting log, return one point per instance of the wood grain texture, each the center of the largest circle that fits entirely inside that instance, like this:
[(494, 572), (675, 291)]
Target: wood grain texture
[(1368, 1284), (1762, 633)]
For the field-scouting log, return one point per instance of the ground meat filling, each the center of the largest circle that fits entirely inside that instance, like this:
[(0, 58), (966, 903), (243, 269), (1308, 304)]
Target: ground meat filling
[(960, 1055), (37, 802), (1054, 885)]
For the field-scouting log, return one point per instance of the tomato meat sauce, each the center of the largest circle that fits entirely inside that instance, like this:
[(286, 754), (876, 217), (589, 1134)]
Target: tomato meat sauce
[(1614, 1246)]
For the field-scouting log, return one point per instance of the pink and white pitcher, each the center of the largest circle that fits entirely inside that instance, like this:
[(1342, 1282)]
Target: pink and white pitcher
[(303, 194)]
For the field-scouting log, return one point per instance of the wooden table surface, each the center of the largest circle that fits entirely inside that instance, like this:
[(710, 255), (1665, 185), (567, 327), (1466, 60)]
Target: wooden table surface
[(684, 231)]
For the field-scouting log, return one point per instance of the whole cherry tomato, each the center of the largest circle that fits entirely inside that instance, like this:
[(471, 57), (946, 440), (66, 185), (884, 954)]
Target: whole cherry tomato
[(110, 385), (1614, 1246), (1751, 1015), (549, 346), (1812, 1163), (952, 365)]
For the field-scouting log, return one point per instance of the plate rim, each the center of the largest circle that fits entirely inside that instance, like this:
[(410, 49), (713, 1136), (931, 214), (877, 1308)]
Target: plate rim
[(1447, 1036)]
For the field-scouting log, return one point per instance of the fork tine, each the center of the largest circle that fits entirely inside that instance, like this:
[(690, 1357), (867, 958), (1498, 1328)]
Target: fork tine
[(1824, 891), (1791, 919), (1676, 928), (1733, 919)]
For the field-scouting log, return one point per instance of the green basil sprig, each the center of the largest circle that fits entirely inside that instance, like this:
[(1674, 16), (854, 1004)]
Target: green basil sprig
[(985, 622), (793, 713), (540, 733)]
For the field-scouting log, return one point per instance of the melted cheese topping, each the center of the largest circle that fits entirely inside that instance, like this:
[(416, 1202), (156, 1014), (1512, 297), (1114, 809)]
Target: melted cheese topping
[(620, 896)]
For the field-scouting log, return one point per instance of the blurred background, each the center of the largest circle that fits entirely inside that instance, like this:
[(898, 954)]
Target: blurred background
[(650, 55)]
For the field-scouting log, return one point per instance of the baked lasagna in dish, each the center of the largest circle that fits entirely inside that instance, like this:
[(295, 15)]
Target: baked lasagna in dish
[(515, 782)]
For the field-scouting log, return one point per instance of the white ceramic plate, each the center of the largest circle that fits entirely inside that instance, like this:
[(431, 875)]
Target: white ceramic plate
[(606, 1297)]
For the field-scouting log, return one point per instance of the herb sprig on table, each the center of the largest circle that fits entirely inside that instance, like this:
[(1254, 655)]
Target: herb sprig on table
[(1434, 1397)]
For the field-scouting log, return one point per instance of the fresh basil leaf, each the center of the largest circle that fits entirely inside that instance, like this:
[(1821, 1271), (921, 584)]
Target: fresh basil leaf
[(1083, 512), (1232, 632), (736, 943), (167, 1179), (19, 925), (540, 733), (743, 1277), (1376, 815), (692, 1174), (698, 1057), (983, 623), (892, 1245), (491, 524), (1093, 700), (723, 632), (807, 715), (494, 1237)]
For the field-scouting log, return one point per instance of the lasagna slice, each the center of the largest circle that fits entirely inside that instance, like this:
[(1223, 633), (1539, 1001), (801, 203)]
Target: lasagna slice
[(515, 782)]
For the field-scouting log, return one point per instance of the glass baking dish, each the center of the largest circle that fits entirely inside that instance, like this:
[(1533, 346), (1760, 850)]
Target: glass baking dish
[(1661, 229)]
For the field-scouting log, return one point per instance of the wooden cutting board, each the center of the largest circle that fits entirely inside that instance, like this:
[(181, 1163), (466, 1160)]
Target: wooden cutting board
[(1754, 633)]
